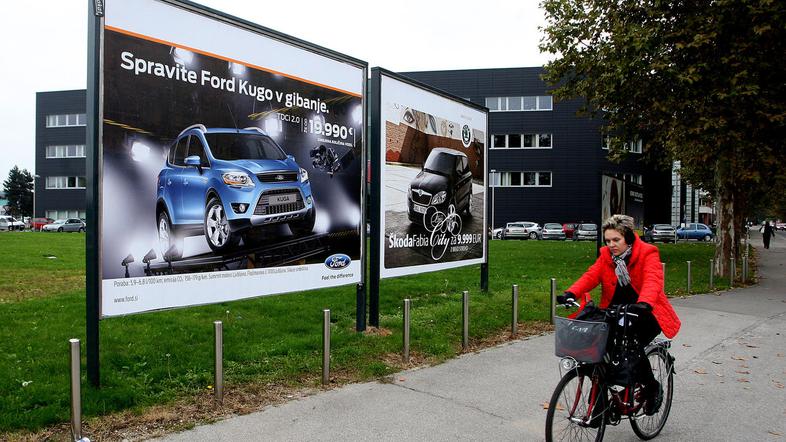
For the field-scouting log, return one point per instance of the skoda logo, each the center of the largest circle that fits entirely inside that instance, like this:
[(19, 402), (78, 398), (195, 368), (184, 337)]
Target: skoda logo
[(466, 135), (337, 261), (279, 177)]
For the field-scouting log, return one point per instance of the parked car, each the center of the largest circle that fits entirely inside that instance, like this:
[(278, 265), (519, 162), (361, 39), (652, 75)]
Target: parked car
[(552, 231), (586, 232), (660, 232), (223, 183), (39, 223), (497, 233), (521, 230), (695, 231), (780, 226), (10, 223), (65, 225), (444, 181), (569, 229)]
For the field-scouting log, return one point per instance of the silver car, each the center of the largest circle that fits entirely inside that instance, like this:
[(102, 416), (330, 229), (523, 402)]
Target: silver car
[(661, 232), (586, 231), (65, 225), (521, 230), (553, 231)]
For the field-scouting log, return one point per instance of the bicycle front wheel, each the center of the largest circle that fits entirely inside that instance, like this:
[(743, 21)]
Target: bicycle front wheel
[(577, 409), (647, 427)]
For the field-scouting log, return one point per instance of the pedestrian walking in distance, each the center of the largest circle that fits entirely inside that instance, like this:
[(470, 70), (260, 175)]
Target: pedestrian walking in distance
[(766, 234)]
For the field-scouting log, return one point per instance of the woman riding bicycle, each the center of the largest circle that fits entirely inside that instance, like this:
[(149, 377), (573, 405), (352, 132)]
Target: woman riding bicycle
[(630, 273)]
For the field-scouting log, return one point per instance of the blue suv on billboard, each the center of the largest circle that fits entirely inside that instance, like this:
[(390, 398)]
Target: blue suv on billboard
[(222, 183)]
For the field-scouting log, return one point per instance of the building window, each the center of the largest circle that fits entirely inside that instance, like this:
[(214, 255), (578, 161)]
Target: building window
[(67, 151), (64, 214), (521, 141), (524, 179), (634, 178), (65, 182), (634, 147), (516, 104), (66, 120)]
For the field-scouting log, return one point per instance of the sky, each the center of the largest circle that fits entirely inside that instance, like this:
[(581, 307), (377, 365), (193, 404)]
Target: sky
[(44, 48)]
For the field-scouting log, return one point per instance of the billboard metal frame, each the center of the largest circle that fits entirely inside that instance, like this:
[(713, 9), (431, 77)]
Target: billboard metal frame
[(377, 162), (96, 13)]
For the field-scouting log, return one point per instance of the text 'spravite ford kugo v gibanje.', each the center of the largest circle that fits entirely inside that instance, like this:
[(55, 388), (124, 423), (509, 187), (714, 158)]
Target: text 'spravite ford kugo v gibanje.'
[(433, 180), (231, 161)]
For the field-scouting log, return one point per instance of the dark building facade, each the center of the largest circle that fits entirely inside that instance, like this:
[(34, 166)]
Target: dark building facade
[(548, 161), (60, 160)]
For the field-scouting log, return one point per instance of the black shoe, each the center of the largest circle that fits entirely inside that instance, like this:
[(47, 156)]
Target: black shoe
[(653, 398)]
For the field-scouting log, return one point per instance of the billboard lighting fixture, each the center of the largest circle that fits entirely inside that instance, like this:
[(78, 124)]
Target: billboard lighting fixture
[(126, 261), (182, 56), (149, 256), (172, 253)]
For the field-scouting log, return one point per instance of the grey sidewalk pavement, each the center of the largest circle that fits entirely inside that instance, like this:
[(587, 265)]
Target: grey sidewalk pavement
[(731, 371)]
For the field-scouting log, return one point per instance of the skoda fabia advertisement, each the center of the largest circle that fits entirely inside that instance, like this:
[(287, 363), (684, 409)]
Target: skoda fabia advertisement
[(433, 180), (230, 161)]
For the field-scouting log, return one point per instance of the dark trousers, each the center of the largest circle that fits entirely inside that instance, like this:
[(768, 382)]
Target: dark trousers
[(766, 239)]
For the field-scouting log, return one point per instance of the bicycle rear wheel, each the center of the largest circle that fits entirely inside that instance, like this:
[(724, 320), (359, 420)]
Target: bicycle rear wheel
[(647, 427), (577, 408)]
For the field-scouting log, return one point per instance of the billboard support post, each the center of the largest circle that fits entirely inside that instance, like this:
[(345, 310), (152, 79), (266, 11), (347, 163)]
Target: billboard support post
[(374, 99), (484, 277), (92, 310)]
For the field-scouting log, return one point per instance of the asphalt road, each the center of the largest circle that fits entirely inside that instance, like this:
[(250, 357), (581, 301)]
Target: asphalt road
[(731, 371)]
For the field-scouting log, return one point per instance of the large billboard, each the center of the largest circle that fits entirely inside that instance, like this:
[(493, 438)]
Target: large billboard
[(622, 197), (230, 160), (433, 179)]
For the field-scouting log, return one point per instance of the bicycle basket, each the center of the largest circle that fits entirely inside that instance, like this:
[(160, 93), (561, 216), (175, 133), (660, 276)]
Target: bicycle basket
[(584, 341)]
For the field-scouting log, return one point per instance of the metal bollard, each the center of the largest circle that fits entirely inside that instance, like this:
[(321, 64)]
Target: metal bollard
[(553, 299), (745, 269), (76, 390), (712, 274), (690, 278), (326, 347), (406, 330), (663, 267), (218, 328), (514, 322), (465, 316)]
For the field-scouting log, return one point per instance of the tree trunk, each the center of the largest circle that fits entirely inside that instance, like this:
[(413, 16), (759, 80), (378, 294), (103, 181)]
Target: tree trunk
[(727, 234)]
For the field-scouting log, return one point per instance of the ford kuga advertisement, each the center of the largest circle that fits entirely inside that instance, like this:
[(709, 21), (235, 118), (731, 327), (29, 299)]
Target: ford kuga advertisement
[(433, 197), (230, 162)]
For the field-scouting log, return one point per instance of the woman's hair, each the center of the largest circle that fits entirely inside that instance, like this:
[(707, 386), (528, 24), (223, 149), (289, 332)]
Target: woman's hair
[(622, 224)]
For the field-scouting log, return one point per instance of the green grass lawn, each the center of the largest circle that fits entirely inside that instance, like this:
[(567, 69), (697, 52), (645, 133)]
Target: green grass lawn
[(155, 358)]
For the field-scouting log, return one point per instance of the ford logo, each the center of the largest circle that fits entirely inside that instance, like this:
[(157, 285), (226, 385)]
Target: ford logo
[(337, 261)]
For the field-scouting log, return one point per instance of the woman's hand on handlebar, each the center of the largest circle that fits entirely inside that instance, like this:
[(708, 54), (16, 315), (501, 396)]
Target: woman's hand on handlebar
[(567, 299)]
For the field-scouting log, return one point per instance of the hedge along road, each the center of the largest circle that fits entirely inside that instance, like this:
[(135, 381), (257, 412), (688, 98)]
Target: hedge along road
[(729, 384), (164, 357)]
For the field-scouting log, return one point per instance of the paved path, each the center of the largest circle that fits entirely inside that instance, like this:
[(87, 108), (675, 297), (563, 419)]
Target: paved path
[(736, 338)]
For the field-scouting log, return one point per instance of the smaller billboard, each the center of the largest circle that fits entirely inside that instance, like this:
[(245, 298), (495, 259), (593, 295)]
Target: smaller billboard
[(433, 179)]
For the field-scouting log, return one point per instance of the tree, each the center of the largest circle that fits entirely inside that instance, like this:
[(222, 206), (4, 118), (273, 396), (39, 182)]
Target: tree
[(700, 81), (18, 188)]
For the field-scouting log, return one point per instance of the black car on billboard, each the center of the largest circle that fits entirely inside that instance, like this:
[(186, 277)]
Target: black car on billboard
[(444, 182)]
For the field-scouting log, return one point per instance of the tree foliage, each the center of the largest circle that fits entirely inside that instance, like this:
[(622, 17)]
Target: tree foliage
[(700, 81), (18, 188)]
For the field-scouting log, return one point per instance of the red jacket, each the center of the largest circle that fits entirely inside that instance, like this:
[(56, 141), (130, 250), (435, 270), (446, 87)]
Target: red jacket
[(646, 277)]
